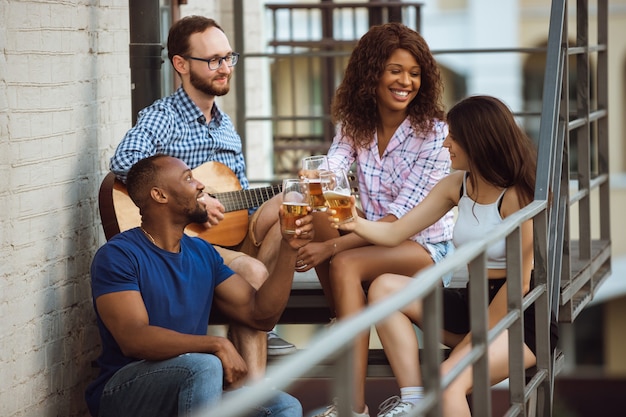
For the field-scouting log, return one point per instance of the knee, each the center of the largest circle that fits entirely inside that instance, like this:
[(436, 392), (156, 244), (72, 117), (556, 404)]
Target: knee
[(380, 288), (201, 364), (342, 267), (454, 400), (203, 383), (287, 405), (251, 269), (205, 373)]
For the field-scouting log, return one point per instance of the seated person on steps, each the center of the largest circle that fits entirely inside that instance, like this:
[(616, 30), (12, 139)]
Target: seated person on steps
[(494, 163), (390, 123), (153, 288)]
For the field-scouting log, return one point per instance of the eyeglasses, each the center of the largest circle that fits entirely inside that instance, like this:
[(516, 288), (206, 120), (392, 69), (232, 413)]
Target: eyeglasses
[(216, 63)]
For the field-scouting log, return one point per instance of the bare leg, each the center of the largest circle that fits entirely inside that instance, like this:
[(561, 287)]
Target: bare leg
[(396, 333), (349, 270), (270, 261), (250, 343), (324, 232), (252, 346), (266, 229), (454, 398)]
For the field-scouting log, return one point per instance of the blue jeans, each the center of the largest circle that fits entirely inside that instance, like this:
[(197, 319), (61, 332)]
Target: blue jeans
[(438, 251), (177, 387)]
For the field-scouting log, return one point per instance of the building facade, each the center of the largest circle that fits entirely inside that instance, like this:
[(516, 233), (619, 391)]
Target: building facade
[(64, 106)]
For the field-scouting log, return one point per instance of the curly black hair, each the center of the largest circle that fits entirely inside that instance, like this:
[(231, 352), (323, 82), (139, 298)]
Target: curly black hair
[(354, 105)]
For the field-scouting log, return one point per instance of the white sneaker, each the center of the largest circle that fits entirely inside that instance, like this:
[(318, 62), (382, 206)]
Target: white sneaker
[(332, 411), (394, 407)]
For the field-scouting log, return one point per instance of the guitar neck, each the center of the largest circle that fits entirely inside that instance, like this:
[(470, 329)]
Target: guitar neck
[(245, 199)]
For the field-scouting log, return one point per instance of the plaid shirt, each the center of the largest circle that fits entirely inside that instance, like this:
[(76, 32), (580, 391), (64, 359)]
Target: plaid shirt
[(175, 126), (409, 168)]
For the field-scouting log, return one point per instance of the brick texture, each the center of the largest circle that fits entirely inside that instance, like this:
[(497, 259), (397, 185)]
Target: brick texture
[(64, 106)]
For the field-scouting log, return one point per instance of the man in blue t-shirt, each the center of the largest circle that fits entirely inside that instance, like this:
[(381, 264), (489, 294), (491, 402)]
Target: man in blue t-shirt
[(153, 289)]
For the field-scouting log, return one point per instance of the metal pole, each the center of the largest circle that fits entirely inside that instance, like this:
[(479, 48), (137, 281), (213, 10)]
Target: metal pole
[(240, 77), (145, 53)]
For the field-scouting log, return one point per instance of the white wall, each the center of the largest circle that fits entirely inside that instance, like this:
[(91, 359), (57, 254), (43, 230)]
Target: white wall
[(64, 105)]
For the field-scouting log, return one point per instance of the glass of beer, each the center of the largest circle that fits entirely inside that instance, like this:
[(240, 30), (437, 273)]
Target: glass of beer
[(311, 168), (295, 203), (336, 189)]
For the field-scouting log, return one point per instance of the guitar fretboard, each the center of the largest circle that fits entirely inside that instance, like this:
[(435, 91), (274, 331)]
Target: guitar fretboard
[(245, 199)]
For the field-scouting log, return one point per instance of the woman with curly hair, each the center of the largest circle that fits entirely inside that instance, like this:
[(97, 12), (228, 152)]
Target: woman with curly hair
[(390, 123)]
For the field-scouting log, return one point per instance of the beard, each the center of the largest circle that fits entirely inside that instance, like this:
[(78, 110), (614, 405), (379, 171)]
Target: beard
[(201, 84), (199, 215)]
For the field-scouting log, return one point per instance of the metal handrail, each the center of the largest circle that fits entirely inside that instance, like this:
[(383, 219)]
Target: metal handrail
[(334, 342), (549, 212)]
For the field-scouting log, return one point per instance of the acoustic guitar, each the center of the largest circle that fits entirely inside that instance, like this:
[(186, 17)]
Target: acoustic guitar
[(119, 213)]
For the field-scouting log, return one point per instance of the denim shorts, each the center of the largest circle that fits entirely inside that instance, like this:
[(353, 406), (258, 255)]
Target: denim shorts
[(438, 251)]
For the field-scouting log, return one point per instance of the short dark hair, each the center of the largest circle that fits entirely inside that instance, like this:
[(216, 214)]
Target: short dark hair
[(142, 176), (178, 37)]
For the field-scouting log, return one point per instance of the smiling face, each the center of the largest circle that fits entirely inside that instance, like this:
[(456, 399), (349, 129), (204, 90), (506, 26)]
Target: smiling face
[(212, 43), (185, 192), (458, 155), (399, 82)]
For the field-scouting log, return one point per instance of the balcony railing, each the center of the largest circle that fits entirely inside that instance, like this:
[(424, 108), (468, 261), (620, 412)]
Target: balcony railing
[(568, 269)]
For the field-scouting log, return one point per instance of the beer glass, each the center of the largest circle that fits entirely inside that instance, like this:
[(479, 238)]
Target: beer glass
[(295, 203), (336, 190), (311, 168)]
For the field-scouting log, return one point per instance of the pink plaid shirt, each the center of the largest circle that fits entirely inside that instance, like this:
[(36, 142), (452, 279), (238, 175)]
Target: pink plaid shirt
[(411, 165)]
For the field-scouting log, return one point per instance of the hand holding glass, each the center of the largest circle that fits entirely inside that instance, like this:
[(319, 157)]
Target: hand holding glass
[(336, 189), (295, 203), (311, 168)]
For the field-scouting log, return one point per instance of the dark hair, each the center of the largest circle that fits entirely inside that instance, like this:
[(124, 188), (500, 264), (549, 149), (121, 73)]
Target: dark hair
[(178, 37), (497, 148), (142, 176), (354, 105)]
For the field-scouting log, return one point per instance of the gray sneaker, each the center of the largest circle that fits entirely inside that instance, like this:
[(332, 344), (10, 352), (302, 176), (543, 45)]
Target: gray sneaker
[(276, 346), (394, 407)]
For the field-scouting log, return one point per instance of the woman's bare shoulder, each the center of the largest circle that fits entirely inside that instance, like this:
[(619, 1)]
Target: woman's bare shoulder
[(450, 186), (510, 202)]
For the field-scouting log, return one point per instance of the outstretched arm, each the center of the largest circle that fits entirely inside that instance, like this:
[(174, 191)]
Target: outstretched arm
[(438, 202), (262, 308)]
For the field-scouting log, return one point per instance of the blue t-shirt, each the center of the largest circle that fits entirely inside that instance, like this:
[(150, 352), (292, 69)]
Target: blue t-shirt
[(177, 290)]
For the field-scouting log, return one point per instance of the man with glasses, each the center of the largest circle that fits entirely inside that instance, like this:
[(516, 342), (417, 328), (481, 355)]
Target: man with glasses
[(190, 126)]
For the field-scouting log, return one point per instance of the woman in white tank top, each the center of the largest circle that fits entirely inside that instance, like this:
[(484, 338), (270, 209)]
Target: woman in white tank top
[(495, 166)]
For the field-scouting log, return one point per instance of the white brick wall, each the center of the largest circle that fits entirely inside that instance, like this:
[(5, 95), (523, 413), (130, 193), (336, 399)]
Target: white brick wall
[(64, 106)]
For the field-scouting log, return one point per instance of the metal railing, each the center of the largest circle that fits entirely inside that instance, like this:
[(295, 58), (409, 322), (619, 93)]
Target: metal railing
[(567, 271), (313, 40)]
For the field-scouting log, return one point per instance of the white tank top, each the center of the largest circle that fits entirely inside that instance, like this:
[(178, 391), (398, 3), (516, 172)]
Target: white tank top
[(474, 221)]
